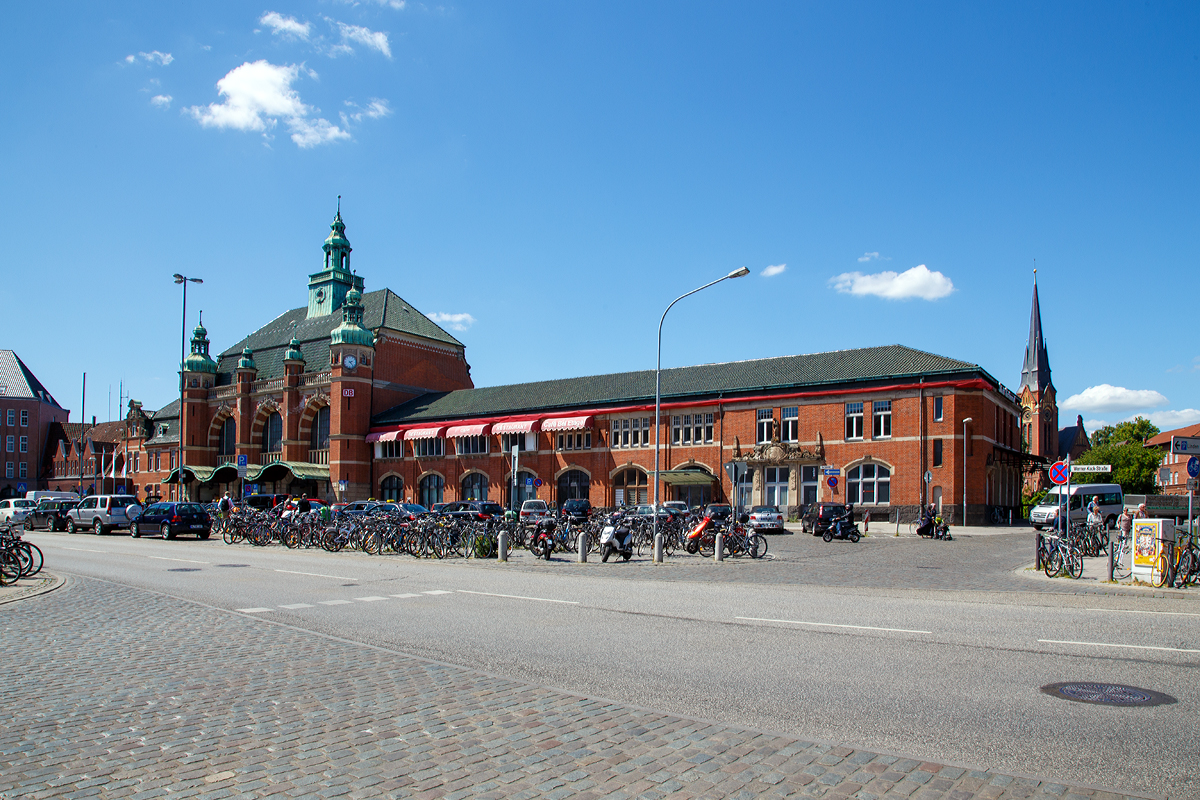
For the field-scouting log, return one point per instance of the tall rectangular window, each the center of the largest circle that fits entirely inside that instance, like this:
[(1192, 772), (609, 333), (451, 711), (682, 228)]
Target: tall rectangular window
[(10, 444), (425, 448), (8, 469), (854, 420), (790, 425), (12, 418), (937, 452), (808, 484), (701, 428), (137, 462), (937, 409), (766, 424), (882, 416), (24, 444), (24, 418), (23, 472)]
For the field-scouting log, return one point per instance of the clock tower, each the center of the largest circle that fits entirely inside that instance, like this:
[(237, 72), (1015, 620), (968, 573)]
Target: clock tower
[(327, 288), (352, 370)]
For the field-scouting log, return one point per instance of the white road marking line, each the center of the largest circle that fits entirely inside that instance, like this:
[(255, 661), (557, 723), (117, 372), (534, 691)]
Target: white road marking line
[(831, 625), (294, 606), (185, 560), (1126, 646), (370, 599), (254, 610), (521, 597), (317, 575), (78, 549), (410, 594), (335, 602), (1159, 613), (437, 591)]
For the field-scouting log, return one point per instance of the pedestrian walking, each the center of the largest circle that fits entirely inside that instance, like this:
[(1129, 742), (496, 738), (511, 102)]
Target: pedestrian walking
[(1125, 522), (1141, 512)]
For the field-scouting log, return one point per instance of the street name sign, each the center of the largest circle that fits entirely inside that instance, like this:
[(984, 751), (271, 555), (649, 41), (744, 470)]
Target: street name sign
[(1059, 473), (1091, 468), (1185, 444)]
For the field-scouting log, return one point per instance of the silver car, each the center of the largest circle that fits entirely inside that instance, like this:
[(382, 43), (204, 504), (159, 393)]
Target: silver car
[(766, 518)]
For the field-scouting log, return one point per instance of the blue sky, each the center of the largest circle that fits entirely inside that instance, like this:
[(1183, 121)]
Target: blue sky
[(549, 176)]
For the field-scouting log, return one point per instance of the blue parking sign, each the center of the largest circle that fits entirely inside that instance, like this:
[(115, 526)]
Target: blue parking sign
[(529, 481), (241, 462)]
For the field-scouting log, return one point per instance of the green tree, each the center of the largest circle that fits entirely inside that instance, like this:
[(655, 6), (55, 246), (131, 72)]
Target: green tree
[(1139, 429), (1133, 466)]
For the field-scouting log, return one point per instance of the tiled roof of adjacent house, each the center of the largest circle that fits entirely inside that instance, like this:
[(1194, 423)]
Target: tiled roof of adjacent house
[(381, 309), (17, 381), (707, 380), (1164, 438)]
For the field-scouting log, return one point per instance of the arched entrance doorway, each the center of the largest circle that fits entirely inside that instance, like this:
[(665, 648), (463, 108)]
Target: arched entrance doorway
[(431, 490), (391, 488), (573, 484)]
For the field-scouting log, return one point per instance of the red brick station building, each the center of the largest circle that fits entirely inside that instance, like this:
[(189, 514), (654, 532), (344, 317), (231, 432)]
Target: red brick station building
[(357, 394)]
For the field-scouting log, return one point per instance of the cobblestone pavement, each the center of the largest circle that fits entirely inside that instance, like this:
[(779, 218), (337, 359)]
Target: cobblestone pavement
[(118, 692), (29, 587)]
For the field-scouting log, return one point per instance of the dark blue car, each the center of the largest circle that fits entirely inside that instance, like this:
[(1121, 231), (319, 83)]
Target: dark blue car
[(169, 520)]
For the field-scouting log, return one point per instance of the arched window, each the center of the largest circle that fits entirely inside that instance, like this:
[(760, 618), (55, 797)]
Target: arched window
[(392, 488), (227, 441), (474, 487), (272, 439), (630, 488), (319, 437), (573, 485), (869, 484), (431, 490)]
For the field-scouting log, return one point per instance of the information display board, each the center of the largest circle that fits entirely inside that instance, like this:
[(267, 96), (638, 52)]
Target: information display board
[(1149, 536)]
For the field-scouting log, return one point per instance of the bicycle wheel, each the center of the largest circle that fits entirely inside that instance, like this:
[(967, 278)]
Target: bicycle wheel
[(1183, 569), (708, 544), (1074, 563), (758, 546), (31, 559), (1053, 562), (10, 565), (1159, 576)]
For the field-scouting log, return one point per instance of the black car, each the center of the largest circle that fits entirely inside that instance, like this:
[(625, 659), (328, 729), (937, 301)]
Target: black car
[(50, 514), (577, 510), (473, 509), (719, 512), (819, 516), (171, 519)]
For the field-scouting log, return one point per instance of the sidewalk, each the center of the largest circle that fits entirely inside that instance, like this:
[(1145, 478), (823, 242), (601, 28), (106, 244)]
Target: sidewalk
[(884, 528), (30, 587), (1095, 576)]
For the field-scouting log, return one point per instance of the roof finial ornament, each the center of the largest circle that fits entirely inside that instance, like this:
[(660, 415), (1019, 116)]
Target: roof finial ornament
[(339, 205), (202, 318), (1035, 272)]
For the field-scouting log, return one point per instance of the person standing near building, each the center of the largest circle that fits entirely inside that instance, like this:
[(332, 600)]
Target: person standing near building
[(1141, 512)]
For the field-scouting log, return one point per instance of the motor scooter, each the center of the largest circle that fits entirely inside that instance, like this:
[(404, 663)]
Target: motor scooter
[(843, 527), (616, 538), (541, 543)]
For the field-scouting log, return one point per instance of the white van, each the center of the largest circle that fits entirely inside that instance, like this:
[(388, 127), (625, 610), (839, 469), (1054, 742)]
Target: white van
[(1112, 500), (38, 495)]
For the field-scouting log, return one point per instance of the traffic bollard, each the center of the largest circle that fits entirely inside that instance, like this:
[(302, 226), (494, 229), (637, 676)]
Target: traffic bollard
[(502, 546), (719, 551), (658, 548), (583, 548)]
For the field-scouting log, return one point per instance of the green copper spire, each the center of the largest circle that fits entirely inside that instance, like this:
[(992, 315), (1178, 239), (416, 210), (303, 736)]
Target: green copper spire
[(247, 360), (327, 288), (199, 360), (293, 352), (351, 331)]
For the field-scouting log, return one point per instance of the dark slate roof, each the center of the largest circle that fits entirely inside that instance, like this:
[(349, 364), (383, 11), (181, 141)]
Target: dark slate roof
[(1068, 437), (17, 381), (1035, 371), (167, 415), (381, 309), (707, 380)]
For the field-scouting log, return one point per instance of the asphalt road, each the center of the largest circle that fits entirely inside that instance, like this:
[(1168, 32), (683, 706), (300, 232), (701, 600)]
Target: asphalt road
[(878, 645)]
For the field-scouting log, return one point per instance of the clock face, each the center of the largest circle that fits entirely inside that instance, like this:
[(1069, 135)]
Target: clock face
[(320, 295), (349, 362)]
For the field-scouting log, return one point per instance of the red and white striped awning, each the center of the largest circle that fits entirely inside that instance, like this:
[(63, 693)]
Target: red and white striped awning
[(425, 433), (388, 436), (567, 424), (468, 430), (524, 426)]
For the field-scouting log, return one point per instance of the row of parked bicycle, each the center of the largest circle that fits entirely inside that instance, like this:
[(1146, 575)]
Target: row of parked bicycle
[(442, 536), (1177, 564)]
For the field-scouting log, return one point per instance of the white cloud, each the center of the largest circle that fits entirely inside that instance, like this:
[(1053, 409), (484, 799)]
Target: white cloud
[(1105, 397), (1168, 420), (376, 109), (396, 4), (153, 57), (916, 282), (376, 40), (258, 95), (161, 100), (288, 27), (868, 257), (773, 270), (455, 322)]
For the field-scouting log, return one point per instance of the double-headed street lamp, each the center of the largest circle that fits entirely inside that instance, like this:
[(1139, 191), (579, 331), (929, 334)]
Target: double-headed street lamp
[(182, 358), (737, 273), (965, 421)]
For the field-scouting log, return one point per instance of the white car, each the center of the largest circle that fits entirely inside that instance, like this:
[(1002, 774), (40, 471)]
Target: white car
[(766, 518), (534, 510), (13, 511)]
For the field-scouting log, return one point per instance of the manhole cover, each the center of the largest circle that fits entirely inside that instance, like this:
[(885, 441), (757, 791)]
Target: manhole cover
[(1107, 694)]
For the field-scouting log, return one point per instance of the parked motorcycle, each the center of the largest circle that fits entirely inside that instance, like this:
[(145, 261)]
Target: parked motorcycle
[(616, 538), (541, 543), (843, 527)]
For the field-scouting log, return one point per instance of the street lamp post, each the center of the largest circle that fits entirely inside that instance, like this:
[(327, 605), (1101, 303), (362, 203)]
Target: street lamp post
[(965, 421), (180, 279), (737, 273)]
